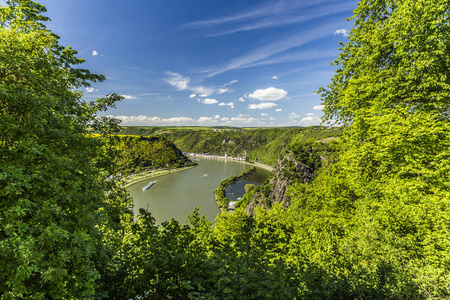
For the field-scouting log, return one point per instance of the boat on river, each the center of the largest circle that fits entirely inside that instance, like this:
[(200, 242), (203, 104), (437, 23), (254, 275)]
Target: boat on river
[(149, 185)]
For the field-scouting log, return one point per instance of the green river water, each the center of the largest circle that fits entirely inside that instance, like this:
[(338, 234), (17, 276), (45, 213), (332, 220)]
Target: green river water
[(176, 195)]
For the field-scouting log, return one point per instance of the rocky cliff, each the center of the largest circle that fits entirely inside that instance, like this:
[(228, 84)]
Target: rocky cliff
[(287, 171)]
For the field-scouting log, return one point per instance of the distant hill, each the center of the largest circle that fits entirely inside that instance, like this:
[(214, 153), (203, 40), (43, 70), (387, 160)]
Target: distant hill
[(257, 144), (136, 153)]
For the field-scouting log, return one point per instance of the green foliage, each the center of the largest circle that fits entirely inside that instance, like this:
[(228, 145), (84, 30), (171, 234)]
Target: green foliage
[(390, 185), (257, 144), (249, 187), (54, 201), (221, 199), (136, 153), (373, 224)]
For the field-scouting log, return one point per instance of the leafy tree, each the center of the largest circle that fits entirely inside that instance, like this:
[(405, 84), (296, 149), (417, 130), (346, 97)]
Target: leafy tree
[(249, 187), (54, 201), (391, 92)]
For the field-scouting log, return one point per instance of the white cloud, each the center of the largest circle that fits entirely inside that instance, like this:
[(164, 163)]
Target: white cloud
[(224, 119), (241, 99), (231, 82), (128, 97), (318, 107), (177, 80), (182, 83), (226, 104), (267, 52), (275, 77), (177, 120), (230, 104), (310, 114), (91, 90), (278, 109), (192, 96), (344, 32), (221, 91), (269, 94), (208, 101), (202, 90), (264, 115), (243, 120), (262, 105), (310, 120), (94, 53), (293, 116), (153, 121), (206, 120), (269, 14)]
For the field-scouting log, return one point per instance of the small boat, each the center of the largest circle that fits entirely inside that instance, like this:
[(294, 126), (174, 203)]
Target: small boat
[(149, 185)]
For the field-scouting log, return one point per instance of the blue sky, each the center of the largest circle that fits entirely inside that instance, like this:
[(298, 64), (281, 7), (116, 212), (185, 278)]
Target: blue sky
[(207, 63)]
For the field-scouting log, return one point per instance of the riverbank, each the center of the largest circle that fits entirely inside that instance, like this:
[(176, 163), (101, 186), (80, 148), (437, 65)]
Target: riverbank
[(146, 175), (239, 159), (222, 201)]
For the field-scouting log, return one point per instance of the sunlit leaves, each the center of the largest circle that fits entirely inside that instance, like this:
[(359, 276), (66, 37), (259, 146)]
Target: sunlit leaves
[(52, 189)]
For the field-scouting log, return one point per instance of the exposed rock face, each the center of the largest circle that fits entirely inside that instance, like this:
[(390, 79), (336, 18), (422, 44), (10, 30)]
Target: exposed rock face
[(287, 171)]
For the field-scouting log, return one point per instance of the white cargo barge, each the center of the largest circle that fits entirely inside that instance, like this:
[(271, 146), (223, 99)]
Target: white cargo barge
[(149, 185)]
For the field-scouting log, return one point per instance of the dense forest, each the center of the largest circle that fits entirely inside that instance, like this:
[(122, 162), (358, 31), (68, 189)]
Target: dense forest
[(140, 153), (257, 144), (371, 221)]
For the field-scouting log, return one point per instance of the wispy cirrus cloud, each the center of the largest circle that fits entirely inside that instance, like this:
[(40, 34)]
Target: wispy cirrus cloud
[(267, 15), (270, 53), (231, 82), (295, 56), (263, 10), (177, 80), (181, 83), (221, 91)]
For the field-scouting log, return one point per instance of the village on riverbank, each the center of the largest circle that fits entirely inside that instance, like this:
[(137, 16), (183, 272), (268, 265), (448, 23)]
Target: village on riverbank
[(242, 159)]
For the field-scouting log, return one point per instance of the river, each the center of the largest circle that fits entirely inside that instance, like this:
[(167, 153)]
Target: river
[(176, 195)]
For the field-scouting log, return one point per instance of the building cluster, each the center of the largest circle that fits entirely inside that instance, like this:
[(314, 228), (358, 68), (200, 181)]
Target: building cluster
[(239, 158)]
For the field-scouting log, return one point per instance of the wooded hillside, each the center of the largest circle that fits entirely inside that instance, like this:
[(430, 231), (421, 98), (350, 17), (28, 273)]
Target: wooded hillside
[(257, 144)]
